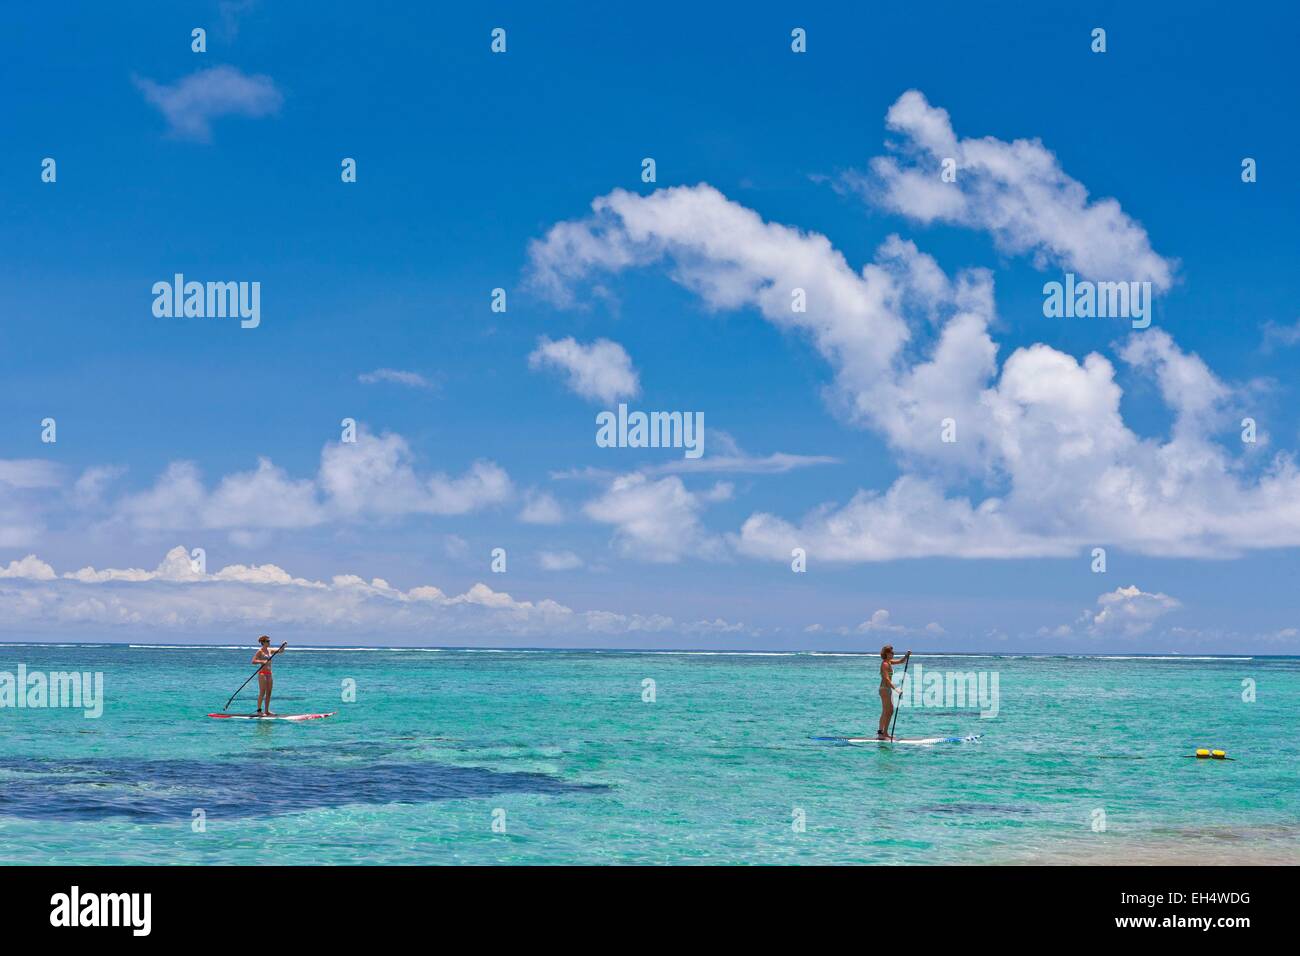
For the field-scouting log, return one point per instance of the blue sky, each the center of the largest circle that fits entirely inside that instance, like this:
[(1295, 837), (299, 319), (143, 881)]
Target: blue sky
[(774, 170)]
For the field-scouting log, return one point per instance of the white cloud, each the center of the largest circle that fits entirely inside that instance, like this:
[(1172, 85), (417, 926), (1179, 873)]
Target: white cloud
[(1186, 383), (558, 560), (264, 498), (879, 623), (727, 456), (176, 566), (26, 473), (656, 521), (395, 377), (1129, 612), (1015, 191), (1285, 335), (912, 519), (910, 347), (731, 258), (175, 501), (18, 529), (601, 371), (375, 477), (191, 104), (174, 599), (30, 567), (482, 485), (777, 463), (882, 622), (371, 478), (24, 497), (540, 507), (89, 489)]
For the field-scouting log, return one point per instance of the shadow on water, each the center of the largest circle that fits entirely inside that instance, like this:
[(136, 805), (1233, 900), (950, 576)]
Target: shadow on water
[(162, 790), (356, 749)]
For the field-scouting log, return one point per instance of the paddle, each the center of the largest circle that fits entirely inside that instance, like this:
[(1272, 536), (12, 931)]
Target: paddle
[(906, 661), (259, 670)]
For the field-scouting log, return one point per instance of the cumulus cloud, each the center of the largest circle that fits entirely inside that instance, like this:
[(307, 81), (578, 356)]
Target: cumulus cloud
[(1017, 192), (601, 371), (374, 477), (879, 622), (1127, 612), (176, 566), (731, 258), (193, 102), (175, 598), (264, 498), (909, 347), (657, 520), (30, 568)]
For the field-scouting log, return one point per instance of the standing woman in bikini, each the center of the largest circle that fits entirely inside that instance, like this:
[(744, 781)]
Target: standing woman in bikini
[(887, 688), (264, 680)]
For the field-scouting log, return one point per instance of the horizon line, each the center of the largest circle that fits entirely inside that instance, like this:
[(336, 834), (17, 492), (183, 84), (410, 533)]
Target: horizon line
[(1168, 655)]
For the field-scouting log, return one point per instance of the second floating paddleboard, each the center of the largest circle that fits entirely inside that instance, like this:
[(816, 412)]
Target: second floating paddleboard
[(970, 738)]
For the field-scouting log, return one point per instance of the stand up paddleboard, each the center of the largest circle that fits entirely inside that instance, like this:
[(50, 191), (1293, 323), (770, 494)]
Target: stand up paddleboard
[(970, 738), (274, 717)]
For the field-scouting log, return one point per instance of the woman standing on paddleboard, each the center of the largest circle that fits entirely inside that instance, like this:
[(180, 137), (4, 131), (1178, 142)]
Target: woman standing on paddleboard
[(264, 680), (887, 688)]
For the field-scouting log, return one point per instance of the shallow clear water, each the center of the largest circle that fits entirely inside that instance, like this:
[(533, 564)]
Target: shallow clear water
[(716, 770)]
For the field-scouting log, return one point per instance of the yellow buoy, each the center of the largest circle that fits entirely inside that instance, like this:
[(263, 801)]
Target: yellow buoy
[(1204, 754)]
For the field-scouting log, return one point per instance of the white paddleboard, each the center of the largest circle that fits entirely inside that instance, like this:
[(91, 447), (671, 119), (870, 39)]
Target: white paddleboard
[(913, 740), (274, 717)]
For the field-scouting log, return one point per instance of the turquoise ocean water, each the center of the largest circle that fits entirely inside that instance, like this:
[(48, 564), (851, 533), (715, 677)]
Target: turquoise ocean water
[(1084, 763)]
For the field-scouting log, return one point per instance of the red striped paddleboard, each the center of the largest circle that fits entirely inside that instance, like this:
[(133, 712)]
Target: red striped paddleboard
[(274, 717)]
